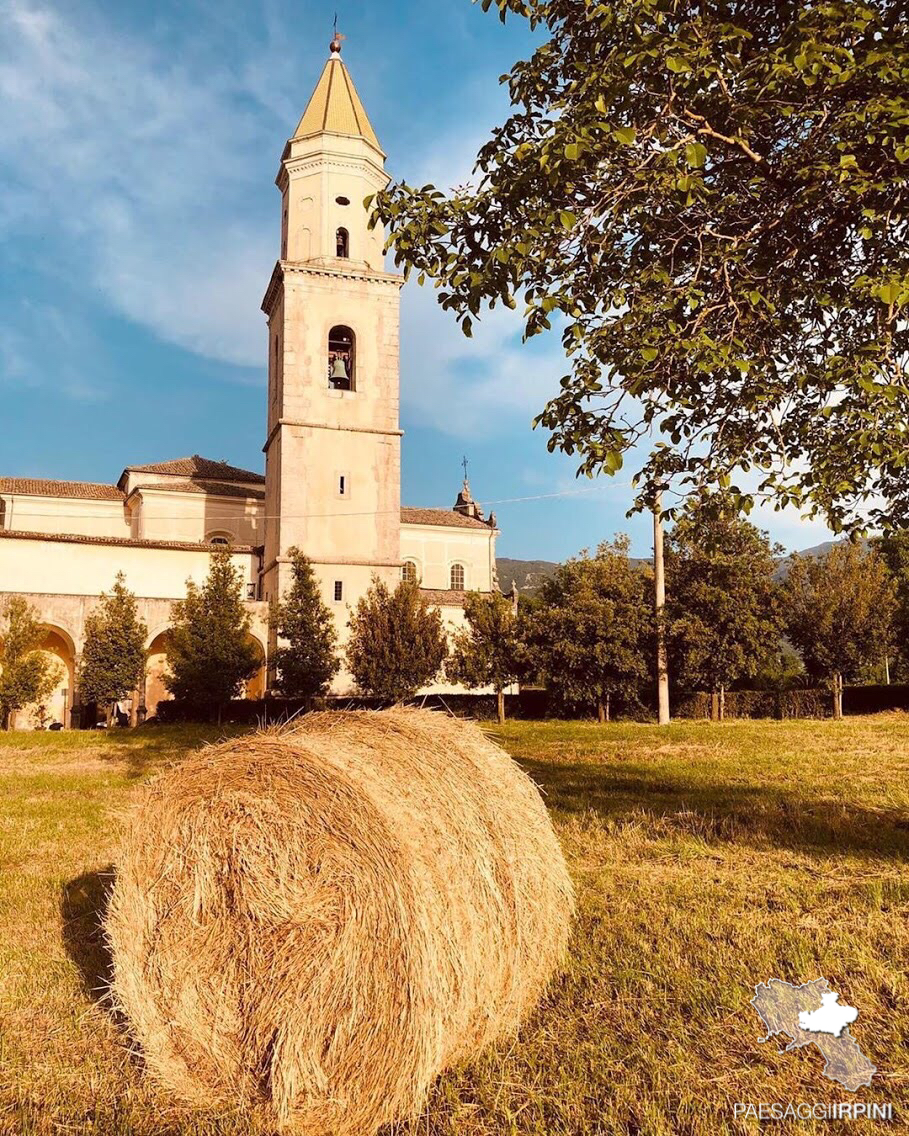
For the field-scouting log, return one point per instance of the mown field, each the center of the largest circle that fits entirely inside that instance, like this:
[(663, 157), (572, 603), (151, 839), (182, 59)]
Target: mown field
[(707, 859)]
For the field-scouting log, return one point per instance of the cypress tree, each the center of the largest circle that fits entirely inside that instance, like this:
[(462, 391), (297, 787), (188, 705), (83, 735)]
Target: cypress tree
[(307, 660), (209, 651), (113, 658), (397, 643)]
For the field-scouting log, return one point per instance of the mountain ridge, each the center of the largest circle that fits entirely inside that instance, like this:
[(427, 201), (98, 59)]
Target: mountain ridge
[(530, 574)]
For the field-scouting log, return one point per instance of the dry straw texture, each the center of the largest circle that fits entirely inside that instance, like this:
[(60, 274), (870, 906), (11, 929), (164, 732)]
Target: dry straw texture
[(313, 924)]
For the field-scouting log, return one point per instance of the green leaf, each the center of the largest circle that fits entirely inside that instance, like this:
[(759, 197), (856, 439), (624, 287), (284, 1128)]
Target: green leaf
[(625, 134), (568, 219), (676, 64), (695, 155)]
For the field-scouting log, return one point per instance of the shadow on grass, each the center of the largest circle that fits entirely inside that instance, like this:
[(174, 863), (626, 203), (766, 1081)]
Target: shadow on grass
[(150, 748), (728, 813), (83, 909)]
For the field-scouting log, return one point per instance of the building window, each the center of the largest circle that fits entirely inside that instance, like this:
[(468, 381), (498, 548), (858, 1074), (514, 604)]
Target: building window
[(343, 200), (342, 485), (409, 572), (251, 591), (341, 359), (342, 242), (220, 538), (457, 577), (339, 591)]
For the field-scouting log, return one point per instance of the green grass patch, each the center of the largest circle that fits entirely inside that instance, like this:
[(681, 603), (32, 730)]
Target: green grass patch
[(706, 858)]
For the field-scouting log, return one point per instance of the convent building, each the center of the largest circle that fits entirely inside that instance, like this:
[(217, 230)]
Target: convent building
[(332, 481)]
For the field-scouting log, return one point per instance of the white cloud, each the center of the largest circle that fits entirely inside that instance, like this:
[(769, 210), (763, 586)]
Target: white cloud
[(476, 387), (135, 167), (143, 173), (486, 385)]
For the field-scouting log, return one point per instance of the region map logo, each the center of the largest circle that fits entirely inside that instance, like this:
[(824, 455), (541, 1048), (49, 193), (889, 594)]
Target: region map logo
[(811, 1014)]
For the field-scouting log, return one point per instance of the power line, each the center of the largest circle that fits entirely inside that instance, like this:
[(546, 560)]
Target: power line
[(555, 495)]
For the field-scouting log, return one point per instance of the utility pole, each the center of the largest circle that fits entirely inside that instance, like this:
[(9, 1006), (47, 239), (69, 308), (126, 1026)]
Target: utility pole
[(659, 592)]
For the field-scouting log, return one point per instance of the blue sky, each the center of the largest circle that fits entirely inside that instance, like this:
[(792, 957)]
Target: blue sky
[(139, 224)]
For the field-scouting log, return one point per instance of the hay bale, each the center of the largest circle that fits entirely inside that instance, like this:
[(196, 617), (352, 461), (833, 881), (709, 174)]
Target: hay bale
[(313, 924)]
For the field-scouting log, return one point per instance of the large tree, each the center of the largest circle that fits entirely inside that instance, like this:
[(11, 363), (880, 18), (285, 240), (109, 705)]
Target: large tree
[(397, 643), (307, 659), (27, 675), (709, 198), (589, 634), (840, 613), (209, 650), (489, 651), (724, 619), (113, 658), (894, 547)]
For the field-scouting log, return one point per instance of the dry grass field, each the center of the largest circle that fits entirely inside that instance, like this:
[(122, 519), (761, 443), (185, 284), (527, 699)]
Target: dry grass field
[(707, 859)]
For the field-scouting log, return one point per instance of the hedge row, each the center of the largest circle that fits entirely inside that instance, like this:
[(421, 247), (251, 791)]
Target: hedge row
[(536, 704), (249, 712)]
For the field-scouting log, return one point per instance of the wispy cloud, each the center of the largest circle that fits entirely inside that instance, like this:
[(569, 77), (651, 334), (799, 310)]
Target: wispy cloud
[(139, 167), (43, 346)]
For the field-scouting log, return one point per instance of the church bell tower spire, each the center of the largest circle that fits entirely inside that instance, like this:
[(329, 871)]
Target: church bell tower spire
[(333, 444)]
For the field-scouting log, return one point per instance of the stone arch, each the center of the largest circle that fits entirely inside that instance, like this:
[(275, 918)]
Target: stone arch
[(155, 670), (59, 647)]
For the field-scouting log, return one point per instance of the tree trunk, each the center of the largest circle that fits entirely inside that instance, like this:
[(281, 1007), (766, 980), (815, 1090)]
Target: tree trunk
[(887, 669), (659, 597), (5, 719), (838, 695), (500, 705), (109, 715), (722, 704), (601, 711), (714, 706)]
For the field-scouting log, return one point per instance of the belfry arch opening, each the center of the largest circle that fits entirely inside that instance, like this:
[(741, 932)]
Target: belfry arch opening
[(342, 243), (342, 361)]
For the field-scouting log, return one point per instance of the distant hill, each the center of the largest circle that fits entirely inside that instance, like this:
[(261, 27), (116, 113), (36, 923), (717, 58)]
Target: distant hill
[(529, 574)]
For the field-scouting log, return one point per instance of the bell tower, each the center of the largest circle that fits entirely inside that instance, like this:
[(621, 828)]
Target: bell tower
[(333, 444)]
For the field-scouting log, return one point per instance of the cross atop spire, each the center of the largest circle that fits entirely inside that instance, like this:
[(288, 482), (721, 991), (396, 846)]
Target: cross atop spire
[(335, 46)]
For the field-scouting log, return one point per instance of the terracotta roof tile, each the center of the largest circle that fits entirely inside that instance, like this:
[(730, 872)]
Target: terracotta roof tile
[(123, 541), (414, 516), (211, 488), (39, 487), (196, 466), (444, 597)]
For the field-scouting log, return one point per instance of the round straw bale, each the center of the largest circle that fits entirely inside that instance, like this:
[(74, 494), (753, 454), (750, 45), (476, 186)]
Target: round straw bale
[(312, 924)]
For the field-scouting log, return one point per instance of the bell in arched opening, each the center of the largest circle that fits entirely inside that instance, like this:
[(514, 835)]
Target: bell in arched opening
[(341, 372)]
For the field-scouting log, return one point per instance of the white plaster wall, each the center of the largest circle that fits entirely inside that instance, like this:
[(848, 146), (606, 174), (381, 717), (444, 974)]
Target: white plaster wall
[(165, 515), (65, 515), (89, 569), (435, 548)]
